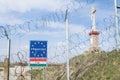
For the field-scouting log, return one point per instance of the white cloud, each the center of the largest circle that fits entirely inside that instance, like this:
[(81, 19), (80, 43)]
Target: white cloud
[(48, 5), (60, 28), (74, 28), (56, 25), (24, 47), (53, 34), (28, 33), (10, 20), (61, 44), (27, 5)]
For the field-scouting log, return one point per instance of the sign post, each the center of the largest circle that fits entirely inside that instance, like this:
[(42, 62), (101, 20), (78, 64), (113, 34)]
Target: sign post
[(38, 54), (44, 73)]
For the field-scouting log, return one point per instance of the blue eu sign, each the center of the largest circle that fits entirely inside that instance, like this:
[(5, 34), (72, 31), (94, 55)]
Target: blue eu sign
[(38, 53), (38, 49)]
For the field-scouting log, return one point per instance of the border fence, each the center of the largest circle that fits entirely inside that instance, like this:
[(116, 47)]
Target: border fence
[(79, 44)]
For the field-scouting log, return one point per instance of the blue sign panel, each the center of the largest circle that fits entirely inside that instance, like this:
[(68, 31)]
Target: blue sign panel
[(38, 49)]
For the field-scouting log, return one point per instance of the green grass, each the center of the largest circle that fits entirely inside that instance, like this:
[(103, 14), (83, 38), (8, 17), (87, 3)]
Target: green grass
[(107, 68), (90, 66), (37, 74)]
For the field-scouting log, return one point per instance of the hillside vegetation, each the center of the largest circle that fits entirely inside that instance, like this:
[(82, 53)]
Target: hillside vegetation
[(88, 66)]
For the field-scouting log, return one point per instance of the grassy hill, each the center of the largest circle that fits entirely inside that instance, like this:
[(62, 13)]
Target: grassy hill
[(107, 67), (88, 66)]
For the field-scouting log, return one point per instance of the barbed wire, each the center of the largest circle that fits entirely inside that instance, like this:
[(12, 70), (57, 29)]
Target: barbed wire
[(79, 42), (75, 48)]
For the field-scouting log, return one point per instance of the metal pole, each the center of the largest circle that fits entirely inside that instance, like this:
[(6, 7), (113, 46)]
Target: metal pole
[(21, 76), (67, 44), (44, 73), (31, 73), (116, 23), (9, 43)]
